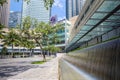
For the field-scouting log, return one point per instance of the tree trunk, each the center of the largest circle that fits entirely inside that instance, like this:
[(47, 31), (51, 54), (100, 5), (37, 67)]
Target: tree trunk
[(23, 52), (30, 52), (44, 57), (12, 51)]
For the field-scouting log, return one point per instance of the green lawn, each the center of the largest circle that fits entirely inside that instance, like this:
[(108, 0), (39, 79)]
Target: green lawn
[(38, 62)]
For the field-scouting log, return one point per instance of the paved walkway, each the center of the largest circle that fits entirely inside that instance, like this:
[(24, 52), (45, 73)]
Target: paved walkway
[(13, 66), (46, 71), (22, 69)]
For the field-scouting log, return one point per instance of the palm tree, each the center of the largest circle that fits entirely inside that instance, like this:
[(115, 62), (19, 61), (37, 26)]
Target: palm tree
[(1, 31), (11, 38)]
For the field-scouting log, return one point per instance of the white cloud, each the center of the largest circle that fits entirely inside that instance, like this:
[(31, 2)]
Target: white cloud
[(58, 3), (11, 11), (60, 18)]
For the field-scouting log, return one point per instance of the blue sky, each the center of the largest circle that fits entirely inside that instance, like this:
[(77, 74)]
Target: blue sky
[(58, 8), (15, 6)]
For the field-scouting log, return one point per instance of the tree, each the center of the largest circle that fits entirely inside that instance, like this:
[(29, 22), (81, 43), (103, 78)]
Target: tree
[(11, 38), (48, 3), (27, 43), (54, 39), (39, 32), (2, 2), (1, 31), (4, 51), (40, 35), (30, 45), (54, 49)]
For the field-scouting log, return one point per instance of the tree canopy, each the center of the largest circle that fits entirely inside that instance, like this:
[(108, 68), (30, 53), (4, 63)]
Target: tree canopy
[(39, 32)]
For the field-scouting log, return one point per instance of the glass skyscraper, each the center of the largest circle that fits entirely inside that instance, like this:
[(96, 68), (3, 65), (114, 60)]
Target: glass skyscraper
[(14, 19), (73, 7), (35, 9)]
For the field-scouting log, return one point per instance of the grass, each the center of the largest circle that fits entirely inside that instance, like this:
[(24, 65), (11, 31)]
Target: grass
[(38, 62)]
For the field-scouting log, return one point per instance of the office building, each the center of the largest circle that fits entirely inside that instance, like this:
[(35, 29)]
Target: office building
[(36, 9), (14, 19), (73, 7), (63, 34)]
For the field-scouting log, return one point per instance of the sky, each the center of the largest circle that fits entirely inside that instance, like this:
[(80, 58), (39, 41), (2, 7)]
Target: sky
[(58, 8), (15, 6)]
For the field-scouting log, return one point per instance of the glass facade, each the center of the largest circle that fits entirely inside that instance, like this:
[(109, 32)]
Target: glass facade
[(106, 18), (14, 19), (62, 35), (37, 10)]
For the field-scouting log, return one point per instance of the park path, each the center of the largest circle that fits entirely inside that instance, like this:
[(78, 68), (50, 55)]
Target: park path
[(46, 71), (14, 66)]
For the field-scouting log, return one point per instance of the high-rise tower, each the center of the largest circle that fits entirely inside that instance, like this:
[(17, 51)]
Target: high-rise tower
[(73, 7), (35, 9)]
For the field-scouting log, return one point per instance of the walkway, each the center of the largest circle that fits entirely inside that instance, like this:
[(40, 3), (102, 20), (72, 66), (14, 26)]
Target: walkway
[(11, 67), (46, 71), (22, 69)]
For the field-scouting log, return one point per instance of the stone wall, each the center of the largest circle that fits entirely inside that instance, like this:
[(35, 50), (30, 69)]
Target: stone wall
[(102, 60)]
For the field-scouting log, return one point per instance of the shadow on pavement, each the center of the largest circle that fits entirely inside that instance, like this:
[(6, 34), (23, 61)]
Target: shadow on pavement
[(7, 71)]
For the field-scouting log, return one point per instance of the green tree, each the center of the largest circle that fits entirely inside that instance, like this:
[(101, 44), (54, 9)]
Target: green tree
[(31, 45), (11, 38), (2, 2), (39, 32), (48, 3), (40, 35), (54, 49), (4, 51), (1, 31)]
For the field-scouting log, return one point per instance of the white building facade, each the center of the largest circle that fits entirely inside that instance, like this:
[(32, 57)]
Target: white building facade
[(36, 9)]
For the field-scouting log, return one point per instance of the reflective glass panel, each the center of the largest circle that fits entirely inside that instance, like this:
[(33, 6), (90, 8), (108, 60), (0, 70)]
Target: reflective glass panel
[(109, 5)]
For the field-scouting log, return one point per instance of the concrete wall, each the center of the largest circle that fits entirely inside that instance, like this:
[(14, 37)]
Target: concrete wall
[(102, 60), (4, 13)]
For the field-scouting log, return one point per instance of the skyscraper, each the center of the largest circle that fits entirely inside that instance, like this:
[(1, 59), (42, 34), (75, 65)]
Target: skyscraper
[(14, 19), (4, 13), (73, 7), (35, 9)]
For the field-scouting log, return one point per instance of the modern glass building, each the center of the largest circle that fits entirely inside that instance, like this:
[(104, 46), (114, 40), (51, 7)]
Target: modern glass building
[(36, 9), (98, 22), (14, 19), (73, 7), (62, 34)]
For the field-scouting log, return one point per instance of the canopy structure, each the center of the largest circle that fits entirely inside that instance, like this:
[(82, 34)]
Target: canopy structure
[(104, 19)]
